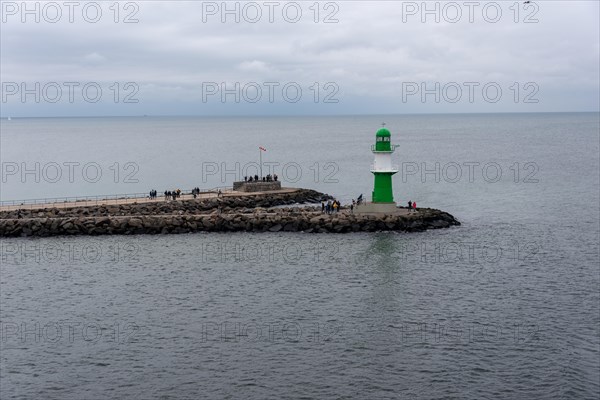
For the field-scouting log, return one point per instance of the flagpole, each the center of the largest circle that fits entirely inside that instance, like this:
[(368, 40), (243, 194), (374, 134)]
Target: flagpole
[(260, 157)]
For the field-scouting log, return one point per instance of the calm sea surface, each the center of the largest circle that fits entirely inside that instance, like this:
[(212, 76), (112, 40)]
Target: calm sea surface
[(504, 306)]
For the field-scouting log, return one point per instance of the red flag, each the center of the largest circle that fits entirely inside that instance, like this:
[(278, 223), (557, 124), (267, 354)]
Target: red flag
[(262, 148)]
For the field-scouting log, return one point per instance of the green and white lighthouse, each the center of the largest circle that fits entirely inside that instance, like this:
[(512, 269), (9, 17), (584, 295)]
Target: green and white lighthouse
[(382, 200), (382, 168)]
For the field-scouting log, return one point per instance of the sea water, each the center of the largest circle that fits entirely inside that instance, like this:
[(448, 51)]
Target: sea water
[(504, 306)]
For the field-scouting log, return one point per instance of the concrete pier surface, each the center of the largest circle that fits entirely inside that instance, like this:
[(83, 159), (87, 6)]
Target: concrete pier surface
[(133, 200), (274, 211)]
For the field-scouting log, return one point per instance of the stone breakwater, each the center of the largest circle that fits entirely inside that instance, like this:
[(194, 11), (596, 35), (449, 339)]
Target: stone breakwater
[(228, 214)]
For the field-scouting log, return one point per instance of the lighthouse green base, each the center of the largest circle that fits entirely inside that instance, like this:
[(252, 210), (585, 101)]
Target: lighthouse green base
[(382, 191)]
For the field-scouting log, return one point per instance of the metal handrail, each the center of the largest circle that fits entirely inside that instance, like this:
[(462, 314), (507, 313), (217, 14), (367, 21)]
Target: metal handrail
[(391, 150)]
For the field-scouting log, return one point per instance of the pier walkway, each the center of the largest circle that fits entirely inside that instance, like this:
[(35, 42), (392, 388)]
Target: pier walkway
[(68, 202)]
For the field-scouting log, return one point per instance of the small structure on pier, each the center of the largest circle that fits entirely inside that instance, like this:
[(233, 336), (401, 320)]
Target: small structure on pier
[(382, 169), (256, 183), (256, 186)]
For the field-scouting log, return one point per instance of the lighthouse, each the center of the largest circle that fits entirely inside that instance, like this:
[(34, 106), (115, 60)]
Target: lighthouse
[(382, 168), (382, 200)]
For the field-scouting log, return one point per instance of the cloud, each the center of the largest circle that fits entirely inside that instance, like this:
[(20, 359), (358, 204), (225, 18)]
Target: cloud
[(94, 58), (253, 66), (373, 48)]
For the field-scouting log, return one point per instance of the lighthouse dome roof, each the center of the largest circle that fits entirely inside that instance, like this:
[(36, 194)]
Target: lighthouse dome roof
[(383, 132)]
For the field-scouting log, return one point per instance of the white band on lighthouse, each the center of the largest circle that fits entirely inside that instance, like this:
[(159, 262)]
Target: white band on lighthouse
[(383, 163)]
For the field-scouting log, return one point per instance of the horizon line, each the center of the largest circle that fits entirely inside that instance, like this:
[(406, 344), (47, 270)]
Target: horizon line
[(292, 115)]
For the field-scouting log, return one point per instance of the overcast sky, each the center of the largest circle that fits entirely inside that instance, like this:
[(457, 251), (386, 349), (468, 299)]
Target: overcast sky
[(360, 57)]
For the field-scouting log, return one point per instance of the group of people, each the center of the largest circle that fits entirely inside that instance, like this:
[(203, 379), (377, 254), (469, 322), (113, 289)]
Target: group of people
[(175, 194), (255, 178), (195, 192), (412, 206), (331, 206), (335, 206)]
